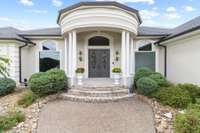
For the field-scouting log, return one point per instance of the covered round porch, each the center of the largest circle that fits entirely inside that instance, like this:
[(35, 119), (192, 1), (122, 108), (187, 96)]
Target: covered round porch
[(99, 37)]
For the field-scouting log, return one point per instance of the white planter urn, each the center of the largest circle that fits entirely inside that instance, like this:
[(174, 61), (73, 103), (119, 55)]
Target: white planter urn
[(117, 77), (79, 78)]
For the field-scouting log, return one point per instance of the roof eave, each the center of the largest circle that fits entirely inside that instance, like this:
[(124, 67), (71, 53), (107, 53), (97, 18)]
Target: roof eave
[(177, 35)]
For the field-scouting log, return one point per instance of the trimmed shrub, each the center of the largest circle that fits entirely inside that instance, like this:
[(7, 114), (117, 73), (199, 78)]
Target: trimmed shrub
[(142, 72), (11, 120), (27, 99), (193, 90), (6, 86), (174, 97), (160, 79), (188, 122), (146, 86), (48, 82)]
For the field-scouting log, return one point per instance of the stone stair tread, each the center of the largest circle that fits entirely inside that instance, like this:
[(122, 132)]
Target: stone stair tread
[(99, 88), (96, 94), (99, 91), (96, 99)]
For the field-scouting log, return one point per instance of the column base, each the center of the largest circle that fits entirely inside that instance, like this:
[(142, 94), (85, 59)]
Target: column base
[(127, 81), (71, 82)]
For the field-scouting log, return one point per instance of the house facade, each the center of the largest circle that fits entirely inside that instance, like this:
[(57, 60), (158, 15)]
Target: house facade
[(100, 36)]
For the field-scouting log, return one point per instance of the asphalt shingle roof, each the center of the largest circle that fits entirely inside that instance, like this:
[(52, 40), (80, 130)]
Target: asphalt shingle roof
[(10, 33), (42, 32), (153, 31), (189, 26)]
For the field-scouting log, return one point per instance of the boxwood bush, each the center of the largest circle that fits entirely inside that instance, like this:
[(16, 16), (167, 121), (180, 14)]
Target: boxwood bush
[(193, 90), (174, 97), (160, 79), (142, 72), (146, 86), (6, 86), (188, 122), (48, 82)]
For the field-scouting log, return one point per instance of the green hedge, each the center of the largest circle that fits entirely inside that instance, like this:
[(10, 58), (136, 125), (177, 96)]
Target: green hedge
[(193, 90), (160, 79), (173, 96), (48, 82), (146, 86), (6, 86), (188, 122), (142, 72)]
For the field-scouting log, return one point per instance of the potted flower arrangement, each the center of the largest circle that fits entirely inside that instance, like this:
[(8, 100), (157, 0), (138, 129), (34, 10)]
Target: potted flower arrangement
[(117, 75), (79, 74)]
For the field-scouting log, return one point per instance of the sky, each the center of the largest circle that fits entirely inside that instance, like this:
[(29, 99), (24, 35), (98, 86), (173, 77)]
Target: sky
[(31, 14)]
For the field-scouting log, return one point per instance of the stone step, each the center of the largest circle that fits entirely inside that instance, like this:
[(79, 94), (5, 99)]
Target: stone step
[(90, 99), (98, 93), (98, 88)]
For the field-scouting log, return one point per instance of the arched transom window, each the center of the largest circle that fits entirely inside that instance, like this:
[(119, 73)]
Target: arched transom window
[(49, 58), (98, 41)]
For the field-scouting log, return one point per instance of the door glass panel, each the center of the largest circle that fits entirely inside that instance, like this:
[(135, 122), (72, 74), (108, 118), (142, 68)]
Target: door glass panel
[(98, 41)]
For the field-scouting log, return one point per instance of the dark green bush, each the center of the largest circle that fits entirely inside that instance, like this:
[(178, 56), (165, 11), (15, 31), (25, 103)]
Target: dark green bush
[(146, 86), (11, 120), (48, 82), (6, 86), (142, 72), (27, 99), (160, 79), (193, 90), (188, 122), (174, 97)]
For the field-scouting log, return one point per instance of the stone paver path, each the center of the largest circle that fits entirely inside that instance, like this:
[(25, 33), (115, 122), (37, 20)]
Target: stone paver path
[(132, 116)]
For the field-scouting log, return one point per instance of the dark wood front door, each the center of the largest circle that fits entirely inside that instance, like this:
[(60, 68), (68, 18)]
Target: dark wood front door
[(99, 63)]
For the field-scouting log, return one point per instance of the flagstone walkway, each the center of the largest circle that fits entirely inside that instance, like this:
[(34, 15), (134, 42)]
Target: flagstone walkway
[(130, 116)]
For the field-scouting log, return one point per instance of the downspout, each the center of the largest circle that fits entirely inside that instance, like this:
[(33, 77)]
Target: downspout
[(20, 62), (165, 58)]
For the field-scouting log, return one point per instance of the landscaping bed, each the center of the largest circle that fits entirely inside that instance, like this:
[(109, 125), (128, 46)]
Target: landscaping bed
[(29, 125), (20, 107), (176, 107)]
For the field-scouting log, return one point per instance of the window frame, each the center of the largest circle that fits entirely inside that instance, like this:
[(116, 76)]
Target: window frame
[(56, 50)]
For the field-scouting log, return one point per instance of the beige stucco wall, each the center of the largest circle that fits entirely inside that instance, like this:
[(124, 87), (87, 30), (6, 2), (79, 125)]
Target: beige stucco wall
[(10, 49), (183, 60), (30, 56)]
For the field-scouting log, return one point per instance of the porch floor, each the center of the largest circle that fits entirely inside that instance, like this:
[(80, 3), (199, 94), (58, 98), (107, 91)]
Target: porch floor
[(98, 82)]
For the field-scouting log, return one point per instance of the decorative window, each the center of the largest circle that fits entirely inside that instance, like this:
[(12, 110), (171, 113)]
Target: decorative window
[(145, 45), (49, 58), (98, 41)]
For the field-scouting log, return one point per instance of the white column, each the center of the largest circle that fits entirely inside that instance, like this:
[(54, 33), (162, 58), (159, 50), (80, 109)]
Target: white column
[(127, 54), (132, 58), (74, 59), (66, 55), (70, 55), (123, 53)]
